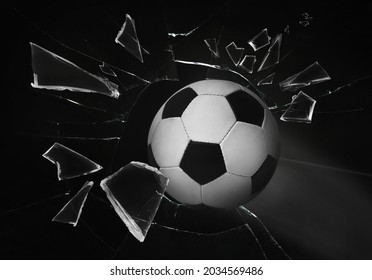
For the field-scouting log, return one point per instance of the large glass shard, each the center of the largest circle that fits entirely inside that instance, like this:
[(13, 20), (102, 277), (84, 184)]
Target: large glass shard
[(259, 41), (311, 75), (247, 63), (70, 213), (273, 53), (135, 191), (70, 164), (52, 71), (107, 70), (268, 80), (212, 45), (300, 110), (234, 53), (127, 37)]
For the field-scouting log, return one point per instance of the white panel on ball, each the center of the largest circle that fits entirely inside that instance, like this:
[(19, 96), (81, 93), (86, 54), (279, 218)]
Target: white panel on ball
[(214, 87), (227, 191), (169, 141), (271, 132), (155, 123), (181, 187), (244, 149), (208, 118)]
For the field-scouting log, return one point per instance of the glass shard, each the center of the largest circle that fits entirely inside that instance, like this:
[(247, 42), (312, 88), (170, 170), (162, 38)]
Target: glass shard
[(311, 75), (70, 164), (307, 16), (135, 191), (212, 46), (268, 80), (107, 70), (247, 63), (300, 110), (259, 41), (273, 53), (304, 23), (70, 213), (234, 53), (286, 30), (51, 71), (127, 37)]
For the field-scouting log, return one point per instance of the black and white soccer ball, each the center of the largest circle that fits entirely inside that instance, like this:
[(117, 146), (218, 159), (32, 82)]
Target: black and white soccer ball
[(216, 141)]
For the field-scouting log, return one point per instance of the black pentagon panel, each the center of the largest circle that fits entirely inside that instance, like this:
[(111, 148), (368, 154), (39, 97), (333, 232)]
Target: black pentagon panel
[(246, 108), (264, 174), (151, 157), (178, 103), (203, 162)]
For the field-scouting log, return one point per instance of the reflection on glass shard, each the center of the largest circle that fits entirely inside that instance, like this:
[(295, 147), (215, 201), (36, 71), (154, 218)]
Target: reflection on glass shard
[(135, 191), (52, 71), (313, 74), (286, 30), (273, 53), (70, 213), (107, 70), (234, 53), (300, 110), (212, 46), (70, 164), (268, 80), (304, 23), (127, 37), (184, 34), (259, 41), (247, 63)]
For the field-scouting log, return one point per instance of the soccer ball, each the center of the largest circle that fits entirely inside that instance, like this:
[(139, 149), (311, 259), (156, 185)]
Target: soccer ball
[(216, 142)]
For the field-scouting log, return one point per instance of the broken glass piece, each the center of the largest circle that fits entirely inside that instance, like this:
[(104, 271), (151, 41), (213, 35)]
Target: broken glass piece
[(135, 191), (259, 41), (107, 70), (127, 37), (70, 213), (306, 16), (52, 71), (311, 75), (300, 110), (268, 80), (234, 53), (247, 63), (273, 53), (212, 46), (70, 164), (286, 30), (184, 34), (304, 23)]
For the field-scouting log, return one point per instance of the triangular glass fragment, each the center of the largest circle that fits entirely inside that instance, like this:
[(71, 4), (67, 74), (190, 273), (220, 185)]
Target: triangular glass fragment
[(234, 53), (107, 70), (259, 41), (135, 191), (311, 75), (127, 37), (247, 63), (268, 80), (300, 110), (70, 213), (70, 164), (273, 53), (52, 71), (212, 46)]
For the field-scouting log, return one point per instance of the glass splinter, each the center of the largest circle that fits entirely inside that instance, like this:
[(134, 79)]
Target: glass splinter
[(286, 30), (52, 71), (234, 53), (247, 63), (300, 110), (127, 37), (259, 41), (70, 213), (107, 70), (268, 80), (313, 74), (304, 23), (70, 164), (135, 191), (273, 53), (212, 46)]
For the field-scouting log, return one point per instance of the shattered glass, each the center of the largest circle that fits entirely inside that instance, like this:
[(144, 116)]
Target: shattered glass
[(301, 109), (286, 30), (107, 70), (304, 23), (70, 164), (260, 41), (273, 54), (212, 45), (135, 191), (268, 80), (247, 63), (311, 75), (234, 53), (70, 213)]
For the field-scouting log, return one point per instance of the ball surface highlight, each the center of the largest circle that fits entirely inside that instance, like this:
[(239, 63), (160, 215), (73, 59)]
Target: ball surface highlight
[(216, 141)]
